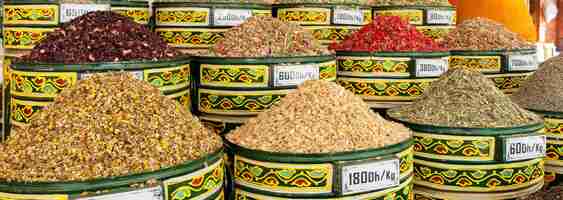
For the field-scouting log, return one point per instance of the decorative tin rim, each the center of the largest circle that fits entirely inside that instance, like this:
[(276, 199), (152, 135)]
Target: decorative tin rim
[(548, 113), (19, 2), (489, 52), (119, 3), (316, 157), (261, 60), (175, 4), (394, 7), (103, 183), (394, 54), (104, 66), (533, 127)]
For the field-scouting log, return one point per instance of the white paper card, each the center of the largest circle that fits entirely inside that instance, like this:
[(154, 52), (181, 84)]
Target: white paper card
[(431, 67), (522, 62), (230, 17), (70, 11), (370, 176), (136, 74), (523, 148), (290, 75), (440, 17), (154, 193), (348, 16)]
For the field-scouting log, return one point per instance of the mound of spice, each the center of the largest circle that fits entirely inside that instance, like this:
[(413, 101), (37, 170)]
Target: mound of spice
[(319, 117), (464, 98), (100, 36), (105, 126), (482, 34), (543, 91), (412, 3), (387, 34), (268, 37)]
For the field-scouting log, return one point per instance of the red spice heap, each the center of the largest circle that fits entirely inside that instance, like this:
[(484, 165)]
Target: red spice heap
[(100, 36), (389, 34)]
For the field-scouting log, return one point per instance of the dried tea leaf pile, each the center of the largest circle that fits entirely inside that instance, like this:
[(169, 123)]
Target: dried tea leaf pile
[(268, 37), (412, 3), (319, 117), (105, 126), (543, 91), (464, 98), (100, 36), (482, 34)]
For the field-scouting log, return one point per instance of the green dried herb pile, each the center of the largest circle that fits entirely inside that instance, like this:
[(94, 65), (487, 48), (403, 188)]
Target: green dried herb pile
[(319, 117), (464, 98), (543, 91), (104, 126)]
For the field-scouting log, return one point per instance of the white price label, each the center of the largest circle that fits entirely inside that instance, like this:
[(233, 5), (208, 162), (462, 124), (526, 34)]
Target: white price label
[(522, 62), (230, 17), (154, 193), (431, 67), (70, 11), (440, 16), (348, 16), (136, 74), (523, 148), (370, 176), (290, 75)]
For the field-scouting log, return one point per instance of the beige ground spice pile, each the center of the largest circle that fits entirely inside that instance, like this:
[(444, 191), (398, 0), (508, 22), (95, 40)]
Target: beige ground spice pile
[(104, 126), (543, 91), (464, 98), (319, 117)]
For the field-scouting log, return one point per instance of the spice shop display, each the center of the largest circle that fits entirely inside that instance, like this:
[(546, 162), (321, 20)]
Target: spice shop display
[(330, 21), (491, 48), (97, 42), (472, 141), (253, 67), (434, 18), (198, 25), (112, 135), (543, 93), (388, 62), (336, 141)]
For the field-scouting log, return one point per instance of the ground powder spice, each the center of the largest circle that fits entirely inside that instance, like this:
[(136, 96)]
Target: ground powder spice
[(319, 117), (464, 98), (268, 37), (412, 3), (105, 126), (543, 91)]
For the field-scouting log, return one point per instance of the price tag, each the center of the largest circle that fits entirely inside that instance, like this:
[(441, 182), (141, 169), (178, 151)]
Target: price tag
[(290, 75), (136, 74), (230, 17), (431, 67), (154, 193), (523, 148), (348, 16), (440, 17), (370, 176), (70, 11), (522, 62)]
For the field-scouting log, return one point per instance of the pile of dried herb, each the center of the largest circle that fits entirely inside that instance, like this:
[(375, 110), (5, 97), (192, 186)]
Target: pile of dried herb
[(464, 98), (388, 34), (482, 34), (319, 117), (543, 91), (268, 37), (105, 126), (412, 3), (344, 2), (100, 36), (265, 2)]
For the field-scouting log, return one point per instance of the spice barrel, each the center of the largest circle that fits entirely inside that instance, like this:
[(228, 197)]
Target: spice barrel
[(507, 69), (26, 22), (554, 147), (267, 175), (328, 22), (198, 179), (34, 86), (389, 79), (466, 163), (243, 87), (434, 21), (200, 25)]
